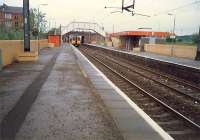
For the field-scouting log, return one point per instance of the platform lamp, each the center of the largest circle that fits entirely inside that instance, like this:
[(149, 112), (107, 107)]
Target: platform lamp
[(26, 25), (173, 32)]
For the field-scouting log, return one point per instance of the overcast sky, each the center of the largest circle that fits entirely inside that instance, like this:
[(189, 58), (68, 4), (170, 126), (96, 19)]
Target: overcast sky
[(65, 11)]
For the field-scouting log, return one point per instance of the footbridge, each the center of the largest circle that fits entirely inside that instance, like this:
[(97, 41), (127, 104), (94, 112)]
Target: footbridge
[(91, 32)]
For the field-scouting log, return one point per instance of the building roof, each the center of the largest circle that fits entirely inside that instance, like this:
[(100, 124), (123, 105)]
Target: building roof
[(11, 9), (142, 33)]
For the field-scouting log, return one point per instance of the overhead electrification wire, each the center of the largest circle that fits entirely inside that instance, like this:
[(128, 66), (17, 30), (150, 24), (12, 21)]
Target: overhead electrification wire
[(180, 7)]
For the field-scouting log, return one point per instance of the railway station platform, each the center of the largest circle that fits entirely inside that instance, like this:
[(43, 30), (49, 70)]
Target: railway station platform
[(169, 59), (180, 61), (64, 96)]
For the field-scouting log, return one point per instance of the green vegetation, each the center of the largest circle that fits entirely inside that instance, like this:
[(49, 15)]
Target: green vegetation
[(11, 35), (190, 40)]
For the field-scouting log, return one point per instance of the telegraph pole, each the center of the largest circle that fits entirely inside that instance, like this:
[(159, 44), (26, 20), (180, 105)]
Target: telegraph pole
[(26, 25)]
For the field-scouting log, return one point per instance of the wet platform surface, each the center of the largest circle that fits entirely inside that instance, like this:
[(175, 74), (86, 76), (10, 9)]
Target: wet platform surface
[(66, 107), (15, 78), (75, 101)]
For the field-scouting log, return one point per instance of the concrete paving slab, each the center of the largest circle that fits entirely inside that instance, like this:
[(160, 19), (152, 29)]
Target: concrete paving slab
[(117, 104), (123, 113), (105, 91), (15, 79), (111, 97), (135, 124), (97, 79), (140, 136), (101, 86)]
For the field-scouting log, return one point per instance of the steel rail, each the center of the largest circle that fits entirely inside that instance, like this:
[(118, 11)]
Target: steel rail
[(168, 77), (143, 75), (194, 86)]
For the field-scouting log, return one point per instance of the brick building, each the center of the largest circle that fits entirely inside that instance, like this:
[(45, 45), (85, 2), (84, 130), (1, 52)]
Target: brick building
[(11, 17)]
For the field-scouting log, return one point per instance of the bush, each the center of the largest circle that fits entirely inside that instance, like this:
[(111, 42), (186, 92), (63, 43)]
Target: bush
[(180, 40), (11, 35)]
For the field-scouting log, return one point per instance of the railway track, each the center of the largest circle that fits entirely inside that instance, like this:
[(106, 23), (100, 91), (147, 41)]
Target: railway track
[(181, 101), (175, 123), (180, 86)]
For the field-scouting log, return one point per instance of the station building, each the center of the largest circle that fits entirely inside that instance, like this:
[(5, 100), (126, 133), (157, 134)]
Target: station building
[(130, 40)]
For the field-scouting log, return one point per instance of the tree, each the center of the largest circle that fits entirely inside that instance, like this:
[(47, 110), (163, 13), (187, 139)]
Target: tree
[(38, 23), (38, 19), (33, 19)]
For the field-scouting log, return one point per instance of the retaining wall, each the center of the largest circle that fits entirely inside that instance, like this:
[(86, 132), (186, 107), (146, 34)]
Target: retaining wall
[(172, 50), (11, 48)]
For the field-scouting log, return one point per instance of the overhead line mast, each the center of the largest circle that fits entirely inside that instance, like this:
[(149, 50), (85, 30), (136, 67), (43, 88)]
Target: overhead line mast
[(128, 8)]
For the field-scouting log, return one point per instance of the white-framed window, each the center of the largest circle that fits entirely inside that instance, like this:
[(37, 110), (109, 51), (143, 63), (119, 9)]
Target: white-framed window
[(8, 16)]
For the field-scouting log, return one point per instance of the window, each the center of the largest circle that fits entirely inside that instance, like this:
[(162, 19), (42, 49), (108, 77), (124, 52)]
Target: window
[(8, 16), (16, 17), (16, 23), (8, 24)]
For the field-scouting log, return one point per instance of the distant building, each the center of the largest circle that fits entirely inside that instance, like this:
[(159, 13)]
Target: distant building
[(11, 17)]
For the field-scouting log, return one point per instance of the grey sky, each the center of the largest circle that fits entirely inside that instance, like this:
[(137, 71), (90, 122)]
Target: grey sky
[(64, 11)]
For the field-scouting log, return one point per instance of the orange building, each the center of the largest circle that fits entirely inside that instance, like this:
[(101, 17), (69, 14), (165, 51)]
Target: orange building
[(55, 39), (142, 34)]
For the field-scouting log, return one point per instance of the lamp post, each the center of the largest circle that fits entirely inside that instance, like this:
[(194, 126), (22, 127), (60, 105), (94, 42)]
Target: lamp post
[(38, 25), (173, 32), (26, 25), (174, 25), (198, 47)]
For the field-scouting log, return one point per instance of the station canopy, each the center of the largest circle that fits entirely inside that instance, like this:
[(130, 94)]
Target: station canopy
[(142, 34)]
